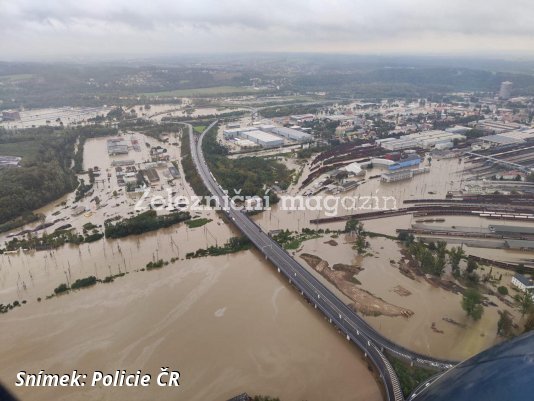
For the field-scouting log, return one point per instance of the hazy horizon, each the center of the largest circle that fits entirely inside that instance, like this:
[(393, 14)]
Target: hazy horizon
[(62, 29)]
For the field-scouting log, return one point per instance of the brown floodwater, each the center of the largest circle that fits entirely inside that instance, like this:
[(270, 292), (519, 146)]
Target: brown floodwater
[(429, 304), (445, 175), (229, 324)]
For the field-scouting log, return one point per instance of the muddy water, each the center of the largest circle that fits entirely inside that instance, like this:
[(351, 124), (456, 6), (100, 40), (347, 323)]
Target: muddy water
[(36, 274), (229, 324), (158, 112), (380, 278), (388, 226), (445, 175), (428, 303)]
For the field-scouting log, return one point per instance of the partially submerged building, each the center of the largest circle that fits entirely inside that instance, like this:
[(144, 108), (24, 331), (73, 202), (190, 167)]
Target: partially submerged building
[(117, 146)]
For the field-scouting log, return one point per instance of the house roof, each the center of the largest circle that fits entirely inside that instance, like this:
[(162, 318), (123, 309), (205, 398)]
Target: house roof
[(523, 280)]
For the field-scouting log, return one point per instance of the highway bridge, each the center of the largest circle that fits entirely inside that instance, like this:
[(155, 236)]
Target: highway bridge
[(337, 312)]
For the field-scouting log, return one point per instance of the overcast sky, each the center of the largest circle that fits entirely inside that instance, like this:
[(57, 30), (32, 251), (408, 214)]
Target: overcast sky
[(44, 28)]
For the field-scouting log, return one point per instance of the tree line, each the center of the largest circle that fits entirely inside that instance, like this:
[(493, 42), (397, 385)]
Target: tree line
[(45, 176)]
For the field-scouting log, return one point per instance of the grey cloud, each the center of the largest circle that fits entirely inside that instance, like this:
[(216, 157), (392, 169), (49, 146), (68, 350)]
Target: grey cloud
[(209, 23)]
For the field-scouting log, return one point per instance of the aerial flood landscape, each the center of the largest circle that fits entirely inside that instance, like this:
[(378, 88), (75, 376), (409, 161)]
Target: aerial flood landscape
[(251, 224)]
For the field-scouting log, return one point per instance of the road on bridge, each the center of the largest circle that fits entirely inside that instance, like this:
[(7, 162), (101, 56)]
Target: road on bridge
[(357, 330)]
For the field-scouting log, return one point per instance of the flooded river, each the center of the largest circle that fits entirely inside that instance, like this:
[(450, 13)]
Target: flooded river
[(228, 324)]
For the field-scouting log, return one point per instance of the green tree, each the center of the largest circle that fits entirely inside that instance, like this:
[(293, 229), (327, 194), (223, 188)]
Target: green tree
[(427, 261), (455, 256), (471, 265), (505, 324), (524, 302), (353, 225), (441, 258), (361, 244), (502, 290), (61, 288), (472, 303)]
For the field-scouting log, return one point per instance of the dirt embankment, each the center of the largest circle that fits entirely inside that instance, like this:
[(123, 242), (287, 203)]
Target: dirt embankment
[(331, 242), (343, 277)]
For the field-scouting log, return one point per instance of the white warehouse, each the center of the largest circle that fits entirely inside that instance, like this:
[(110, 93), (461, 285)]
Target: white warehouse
[(264, 139), (292, 134), (425, 139), (236, 132)]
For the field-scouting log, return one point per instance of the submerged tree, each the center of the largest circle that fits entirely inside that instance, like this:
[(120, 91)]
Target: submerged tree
[(455, 256), (505, 324), (525, 302), (472, 303)]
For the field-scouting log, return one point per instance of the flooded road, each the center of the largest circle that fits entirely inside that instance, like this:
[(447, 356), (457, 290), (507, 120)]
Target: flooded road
[(228, 324)]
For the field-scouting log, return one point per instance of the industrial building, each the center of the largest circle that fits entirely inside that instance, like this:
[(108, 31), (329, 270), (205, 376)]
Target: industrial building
[(10, 115), (379, 162), (403, 175), (9, 161), (245, 143), (292, 134), (120, 163), (267, 127), (497, 127), (353, 168), (508, 138), (409, 161), (396, 176), (117, 146), (263, 139), (152, 175), (505, 91), (425, 139), (301, 118), (266, 135), (233, 132)]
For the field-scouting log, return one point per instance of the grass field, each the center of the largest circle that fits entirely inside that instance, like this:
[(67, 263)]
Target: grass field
[(27, 149), (214, 91), (15, 77), (199, 128), (194, 223)]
